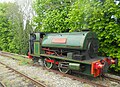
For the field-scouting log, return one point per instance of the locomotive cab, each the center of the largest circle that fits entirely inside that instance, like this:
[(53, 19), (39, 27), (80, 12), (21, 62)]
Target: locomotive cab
[(35, 43)]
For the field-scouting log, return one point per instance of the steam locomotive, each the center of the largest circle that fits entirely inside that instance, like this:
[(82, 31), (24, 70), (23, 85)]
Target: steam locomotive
[(77, 51)]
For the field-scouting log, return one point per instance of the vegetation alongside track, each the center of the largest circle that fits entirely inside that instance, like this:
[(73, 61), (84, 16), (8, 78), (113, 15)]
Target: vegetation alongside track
[(22, 60), (63, 16)]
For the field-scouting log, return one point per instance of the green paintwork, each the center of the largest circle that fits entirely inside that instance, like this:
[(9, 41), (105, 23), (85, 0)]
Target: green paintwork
[(36, 48), (75, 40), (35, 55), (37, 36), (74, 66), (87, 70)]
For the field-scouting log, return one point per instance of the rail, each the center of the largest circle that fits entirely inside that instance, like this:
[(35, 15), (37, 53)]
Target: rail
[(112, 77), (2, 85), (39, 84)]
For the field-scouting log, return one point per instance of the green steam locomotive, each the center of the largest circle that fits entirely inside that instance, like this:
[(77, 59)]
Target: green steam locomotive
[(77, 51)]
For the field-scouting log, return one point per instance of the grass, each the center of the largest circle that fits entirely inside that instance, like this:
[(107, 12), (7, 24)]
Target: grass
[(22, 60)]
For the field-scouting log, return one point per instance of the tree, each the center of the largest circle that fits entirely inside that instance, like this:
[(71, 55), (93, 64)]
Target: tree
[(14, 38), (6, 35), (51, 15)]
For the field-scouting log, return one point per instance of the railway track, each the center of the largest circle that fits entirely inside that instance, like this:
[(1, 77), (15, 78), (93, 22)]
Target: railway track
[(112, 77), (76, 78), (71, 76), (27, 81), (2, 85), (7, 54)]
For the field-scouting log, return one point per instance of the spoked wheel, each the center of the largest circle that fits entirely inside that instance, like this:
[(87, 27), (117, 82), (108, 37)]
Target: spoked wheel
[(47, 63), (63, 67)]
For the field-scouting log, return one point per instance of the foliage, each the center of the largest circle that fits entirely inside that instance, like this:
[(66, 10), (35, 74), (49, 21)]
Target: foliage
[(22, 60), (52, 15), (6, 35), (105, 22), (75, 15), (79, 15), (13, 37)]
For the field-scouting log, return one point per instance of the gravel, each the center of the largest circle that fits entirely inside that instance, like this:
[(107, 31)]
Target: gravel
[(11, 79), (49, 78)]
